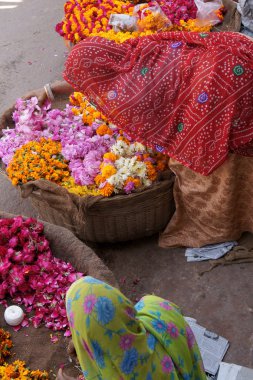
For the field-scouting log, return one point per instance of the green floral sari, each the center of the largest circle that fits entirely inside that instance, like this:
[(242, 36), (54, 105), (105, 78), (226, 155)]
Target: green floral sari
[(116, 340)]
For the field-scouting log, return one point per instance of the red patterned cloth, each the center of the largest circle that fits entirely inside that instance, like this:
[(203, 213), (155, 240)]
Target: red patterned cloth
[(189, 95)]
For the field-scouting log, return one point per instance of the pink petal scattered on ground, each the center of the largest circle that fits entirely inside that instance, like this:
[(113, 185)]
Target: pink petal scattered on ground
[(54, 338), (136, 281), (67, 333)]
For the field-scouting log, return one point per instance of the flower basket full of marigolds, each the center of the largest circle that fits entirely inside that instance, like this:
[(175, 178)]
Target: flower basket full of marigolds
[(84, 173)]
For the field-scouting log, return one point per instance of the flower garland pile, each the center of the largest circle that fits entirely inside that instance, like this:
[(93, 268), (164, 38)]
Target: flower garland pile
[(5, 345), (177, 10), (32, 276), (17, 369), (84, 18), (127, 166), (35, 160), (71, 148)]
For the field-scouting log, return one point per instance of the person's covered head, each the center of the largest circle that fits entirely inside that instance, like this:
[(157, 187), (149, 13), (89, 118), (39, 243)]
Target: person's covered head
[(109, 341)]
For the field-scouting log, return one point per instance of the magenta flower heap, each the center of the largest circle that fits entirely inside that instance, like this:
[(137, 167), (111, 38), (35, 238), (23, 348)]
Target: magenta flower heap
[(32, 276)]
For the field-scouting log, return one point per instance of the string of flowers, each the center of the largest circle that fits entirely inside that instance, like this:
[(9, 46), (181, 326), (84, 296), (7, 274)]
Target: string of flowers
[(36, 160), (177, 10), (18, 371), (193, 26), (83, 17), (120, 37), (5, 345), (32, 276), (127, 165)]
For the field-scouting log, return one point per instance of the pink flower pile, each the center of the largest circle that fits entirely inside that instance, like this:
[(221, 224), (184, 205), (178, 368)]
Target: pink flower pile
[(177, 10), (32, 276), (32, 123), (81, 145)]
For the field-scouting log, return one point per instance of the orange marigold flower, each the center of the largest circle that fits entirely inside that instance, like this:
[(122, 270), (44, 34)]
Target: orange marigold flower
[(36, 160), (107, 190), (103, 129), (152, 174), (161, 165), (122, 138), (99, 179), (5, 345), (136, 181), (110, 156)]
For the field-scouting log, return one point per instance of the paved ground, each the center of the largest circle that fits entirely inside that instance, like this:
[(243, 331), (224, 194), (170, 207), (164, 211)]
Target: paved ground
[(32, 54)]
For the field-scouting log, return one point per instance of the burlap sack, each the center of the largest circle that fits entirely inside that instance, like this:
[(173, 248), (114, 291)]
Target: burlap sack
[(34, 345)]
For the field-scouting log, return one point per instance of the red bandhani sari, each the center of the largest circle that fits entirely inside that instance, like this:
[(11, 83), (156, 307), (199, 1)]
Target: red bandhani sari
[(189, 95)]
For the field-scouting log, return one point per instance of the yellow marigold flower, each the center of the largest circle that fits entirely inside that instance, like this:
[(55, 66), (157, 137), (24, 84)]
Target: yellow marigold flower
[(17, 370), (77, 37), (108, 170), (72, 187)]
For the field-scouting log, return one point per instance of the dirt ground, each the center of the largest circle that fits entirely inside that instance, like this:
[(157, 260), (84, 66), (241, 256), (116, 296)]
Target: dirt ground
[(32, 54)]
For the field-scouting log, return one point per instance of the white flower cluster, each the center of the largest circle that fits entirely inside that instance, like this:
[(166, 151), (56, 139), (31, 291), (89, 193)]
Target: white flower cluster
[(128, 165)]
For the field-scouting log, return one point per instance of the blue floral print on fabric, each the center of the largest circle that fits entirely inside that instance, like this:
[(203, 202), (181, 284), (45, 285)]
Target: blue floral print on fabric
[(129, 361), (159, 325), (140, 305), (98, 353), (119, 343), (91, 280), (105, 310), (151, 341), (77, 295), (69, 305)]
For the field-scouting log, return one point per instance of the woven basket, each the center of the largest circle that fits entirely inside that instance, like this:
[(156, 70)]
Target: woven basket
[(100, 219)]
